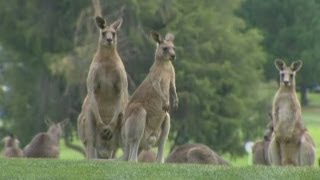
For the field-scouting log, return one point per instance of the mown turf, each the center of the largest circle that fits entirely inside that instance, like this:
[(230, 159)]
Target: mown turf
[(83, 169), (72, 166), (67, 153)]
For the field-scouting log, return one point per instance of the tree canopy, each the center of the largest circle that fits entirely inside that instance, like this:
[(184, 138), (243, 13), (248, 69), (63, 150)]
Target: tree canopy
[(291, 30)]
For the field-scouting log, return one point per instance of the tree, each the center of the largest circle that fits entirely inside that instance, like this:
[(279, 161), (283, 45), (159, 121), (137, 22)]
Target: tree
[(218, 75), (290, 29), (33, 33)]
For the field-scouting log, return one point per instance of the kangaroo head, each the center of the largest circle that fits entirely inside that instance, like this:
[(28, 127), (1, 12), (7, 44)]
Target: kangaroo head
[(56, 129), (268, 132), (11, 141), (287, 74), (165, 47), (108, 34)]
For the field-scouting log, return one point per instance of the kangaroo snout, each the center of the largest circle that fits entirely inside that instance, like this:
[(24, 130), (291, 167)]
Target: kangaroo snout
[(109, 40), (172, 56)]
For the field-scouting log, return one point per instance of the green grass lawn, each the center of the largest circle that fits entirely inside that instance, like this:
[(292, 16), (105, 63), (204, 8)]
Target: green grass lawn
[(84, 169), (72, 165), (67, 153)]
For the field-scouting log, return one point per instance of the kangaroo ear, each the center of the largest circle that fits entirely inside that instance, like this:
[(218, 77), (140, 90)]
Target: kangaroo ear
[(280, 64), (156, 36), (296, 65), (169, 37), (48, 121), (100, 22), (117, 24), (11, 135), (64, 123)]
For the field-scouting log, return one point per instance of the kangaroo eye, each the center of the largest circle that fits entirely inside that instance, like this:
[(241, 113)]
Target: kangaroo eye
[(291, 75), (165, 48), (113, 34), (282, 75), (104, 33)]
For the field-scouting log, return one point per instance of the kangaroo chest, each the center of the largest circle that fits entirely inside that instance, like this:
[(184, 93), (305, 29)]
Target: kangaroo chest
[(108, 76), (110, 80), (287, 116), (154, 105), (286, 111)]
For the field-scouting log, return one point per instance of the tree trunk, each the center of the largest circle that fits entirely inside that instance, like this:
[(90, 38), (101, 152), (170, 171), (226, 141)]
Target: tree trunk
[(97, 8), (304, 98)]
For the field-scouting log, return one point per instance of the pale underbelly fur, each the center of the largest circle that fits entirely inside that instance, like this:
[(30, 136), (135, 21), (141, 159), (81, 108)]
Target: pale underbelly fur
[(286, 120)]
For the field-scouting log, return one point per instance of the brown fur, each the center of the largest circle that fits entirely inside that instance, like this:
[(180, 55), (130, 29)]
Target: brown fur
[(146, 119), (195, 153), (260, 148), (107, 87), (147, 156), (45, 145), (11, 147), (291, 143)]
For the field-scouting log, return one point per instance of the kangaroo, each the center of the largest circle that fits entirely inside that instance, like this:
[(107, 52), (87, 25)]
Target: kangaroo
[(46, 144), (260, 148), (11, 147), (146, 119), (147, 156), (107, 86), (195, 153), (291, 143)]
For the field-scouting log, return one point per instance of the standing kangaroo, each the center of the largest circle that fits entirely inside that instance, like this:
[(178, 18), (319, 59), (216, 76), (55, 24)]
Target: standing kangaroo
[(146, 119), (195, 153), (260, 148), (291, 143), (46, 144), (107, 87), (11, 147)]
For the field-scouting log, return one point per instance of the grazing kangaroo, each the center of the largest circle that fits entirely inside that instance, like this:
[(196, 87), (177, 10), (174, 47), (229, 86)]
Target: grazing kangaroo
[(291, 143), (107, 86), (147, 156), (195, 153), (11, 147), (46, 144), (146, 119), (260, 148)]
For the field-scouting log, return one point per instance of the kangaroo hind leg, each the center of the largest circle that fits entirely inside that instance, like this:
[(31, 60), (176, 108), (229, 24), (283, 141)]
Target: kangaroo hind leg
[(134, 130), (165, 128), (306, 151), (274, 152)]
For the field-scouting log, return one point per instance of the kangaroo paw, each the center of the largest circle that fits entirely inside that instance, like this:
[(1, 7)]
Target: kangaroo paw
[(106, 133)]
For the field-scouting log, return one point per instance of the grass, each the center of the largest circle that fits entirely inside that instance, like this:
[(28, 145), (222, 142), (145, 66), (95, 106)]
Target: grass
[(72, 165), (67, 153), (84, 169)]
